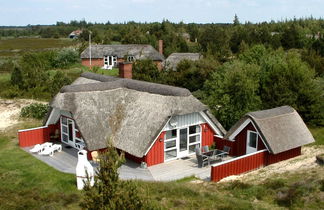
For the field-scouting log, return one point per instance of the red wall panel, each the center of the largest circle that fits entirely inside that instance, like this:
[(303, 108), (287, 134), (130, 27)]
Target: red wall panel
[(30, 137), (220, 143), (207, 135), (283, 155), (156, 153), (249, 163), (238, 166), (94, 62)]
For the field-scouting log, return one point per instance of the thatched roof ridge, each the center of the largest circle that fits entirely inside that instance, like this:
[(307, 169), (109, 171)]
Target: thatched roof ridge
[(175, 58), (281, 128), (139, 51), (110, 83)]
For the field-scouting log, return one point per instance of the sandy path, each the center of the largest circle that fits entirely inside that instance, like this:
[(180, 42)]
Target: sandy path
[(10, 111), (306, 161)]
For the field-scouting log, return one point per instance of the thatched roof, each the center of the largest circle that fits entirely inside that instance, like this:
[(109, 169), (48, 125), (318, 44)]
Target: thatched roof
[(139, 51), (129, 111), (281, 128), (175, 58)]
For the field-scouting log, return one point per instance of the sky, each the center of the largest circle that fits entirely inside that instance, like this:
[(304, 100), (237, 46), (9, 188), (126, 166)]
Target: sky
[(44, 12)]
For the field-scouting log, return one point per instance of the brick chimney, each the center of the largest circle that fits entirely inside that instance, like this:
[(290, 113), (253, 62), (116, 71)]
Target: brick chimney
[(125, 70), (160, 46)]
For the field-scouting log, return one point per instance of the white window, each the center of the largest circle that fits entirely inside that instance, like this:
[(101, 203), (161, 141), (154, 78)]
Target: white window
[(130, 58), (251, 142), (194, 138), (170, 144)]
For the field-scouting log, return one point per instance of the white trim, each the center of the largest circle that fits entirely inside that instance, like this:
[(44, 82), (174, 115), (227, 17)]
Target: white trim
[(157, 137), (248, 141), (237, 158), (49, 118), (259, 135), (30, 129), (214, 127), (239, 129)]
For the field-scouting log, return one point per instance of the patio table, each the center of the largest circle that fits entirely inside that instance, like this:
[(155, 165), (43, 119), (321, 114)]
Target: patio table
[(215, 154)]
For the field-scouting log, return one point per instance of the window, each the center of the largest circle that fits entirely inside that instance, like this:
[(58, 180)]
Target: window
[(253, 139), (171, 134), (194, 138), (170, 144), (130, 58), (194, 129)]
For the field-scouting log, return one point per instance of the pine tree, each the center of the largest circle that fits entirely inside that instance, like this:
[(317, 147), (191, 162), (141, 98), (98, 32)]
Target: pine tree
[(108, 191)]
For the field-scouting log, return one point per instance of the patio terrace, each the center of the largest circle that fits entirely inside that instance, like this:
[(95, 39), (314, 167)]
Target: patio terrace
[(66, 162)]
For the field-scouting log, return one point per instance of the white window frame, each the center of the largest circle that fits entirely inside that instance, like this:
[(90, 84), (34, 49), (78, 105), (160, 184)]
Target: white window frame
[(177, 139), (172, 148), (248, 140), (130, 58), (75, 139)]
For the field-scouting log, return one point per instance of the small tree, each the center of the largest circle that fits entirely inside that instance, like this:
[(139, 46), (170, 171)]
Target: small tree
[(108, 191)]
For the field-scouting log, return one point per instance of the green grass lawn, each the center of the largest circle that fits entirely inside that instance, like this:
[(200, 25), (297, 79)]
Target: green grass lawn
[(16, 46), (318, 133)]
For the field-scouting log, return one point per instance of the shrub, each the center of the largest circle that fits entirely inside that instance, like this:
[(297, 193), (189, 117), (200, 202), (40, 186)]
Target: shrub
[(34, 110), (65, 58)]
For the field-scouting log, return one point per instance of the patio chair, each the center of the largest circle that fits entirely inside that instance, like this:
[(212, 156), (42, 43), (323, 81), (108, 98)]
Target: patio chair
[(206, 148), (226, 149), (40, 147), (201, 159), (50, 150)]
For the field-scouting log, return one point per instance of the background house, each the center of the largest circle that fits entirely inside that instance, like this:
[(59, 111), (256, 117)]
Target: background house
[(108, 56), (175, 58)]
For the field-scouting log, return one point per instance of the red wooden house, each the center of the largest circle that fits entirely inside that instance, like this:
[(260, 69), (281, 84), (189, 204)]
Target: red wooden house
[(261, 138), (151, 123)]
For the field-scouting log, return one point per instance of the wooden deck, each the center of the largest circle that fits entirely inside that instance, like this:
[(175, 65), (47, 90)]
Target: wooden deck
[(66, 162)]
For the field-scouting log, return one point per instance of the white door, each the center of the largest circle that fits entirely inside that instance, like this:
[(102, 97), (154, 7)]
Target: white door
[(69, 133), (251, 142), (183, 143)]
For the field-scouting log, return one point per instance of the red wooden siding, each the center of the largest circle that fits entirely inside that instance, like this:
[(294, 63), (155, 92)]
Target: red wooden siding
[(283, 155), (220, 143), (238, 166), (30, 137), (207, 135), (250, 162), (156, 153), (238, 147)]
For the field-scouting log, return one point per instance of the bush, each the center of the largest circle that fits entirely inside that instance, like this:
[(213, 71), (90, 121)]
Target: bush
[(34, 110), (64, 58)]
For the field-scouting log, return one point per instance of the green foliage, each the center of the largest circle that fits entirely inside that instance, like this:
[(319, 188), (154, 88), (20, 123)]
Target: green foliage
[(233, 91), (57, 82), (286, 80), (65, 58), (108, 191), (34, 110), (262, 78), (190, 74), (146, 70)]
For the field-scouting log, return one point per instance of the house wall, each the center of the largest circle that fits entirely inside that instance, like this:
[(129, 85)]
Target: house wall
[(271, 158), (40, 135), (237, 166), (30, 137), (156, 153), (94, 62), (207, 135), (238, 146)]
